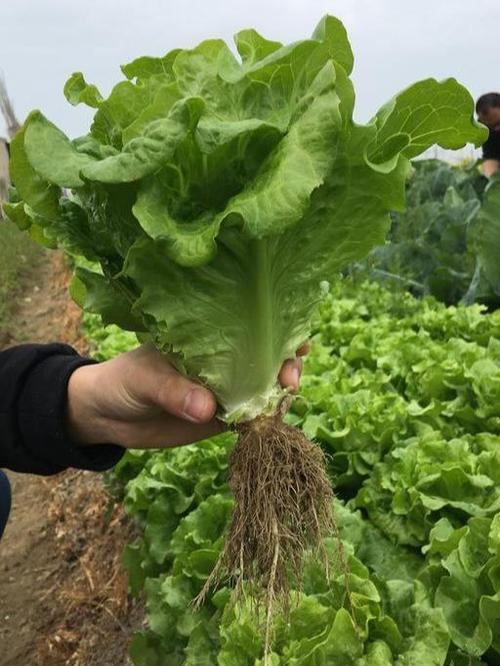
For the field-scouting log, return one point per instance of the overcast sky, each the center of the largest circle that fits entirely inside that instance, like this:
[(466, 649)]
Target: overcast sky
[(395, 42)]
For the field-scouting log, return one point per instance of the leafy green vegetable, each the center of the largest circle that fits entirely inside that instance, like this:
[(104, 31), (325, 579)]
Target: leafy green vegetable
[(221, 194), (485, 236), (447, 241), (430, 251)]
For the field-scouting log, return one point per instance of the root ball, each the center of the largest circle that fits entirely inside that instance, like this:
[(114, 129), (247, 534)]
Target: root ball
[(283, 507)]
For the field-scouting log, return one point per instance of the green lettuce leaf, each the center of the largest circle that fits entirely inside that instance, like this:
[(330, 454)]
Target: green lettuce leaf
[(78, 91)]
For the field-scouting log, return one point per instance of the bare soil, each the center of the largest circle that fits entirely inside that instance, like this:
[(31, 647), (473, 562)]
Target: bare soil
[(63, 592)]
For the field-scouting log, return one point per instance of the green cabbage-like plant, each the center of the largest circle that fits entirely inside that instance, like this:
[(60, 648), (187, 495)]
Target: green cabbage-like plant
[(220, 193), (484, 239)]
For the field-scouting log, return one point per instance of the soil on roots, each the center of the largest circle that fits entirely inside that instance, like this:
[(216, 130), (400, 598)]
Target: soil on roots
[(283, 507)]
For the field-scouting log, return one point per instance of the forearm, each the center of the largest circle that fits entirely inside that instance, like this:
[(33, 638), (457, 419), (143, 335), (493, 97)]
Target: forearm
[(34, 432)]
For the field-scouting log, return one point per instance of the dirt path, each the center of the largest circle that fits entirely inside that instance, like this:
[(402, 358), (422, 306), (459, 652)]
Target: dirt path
[(26, 557), (50, 611)]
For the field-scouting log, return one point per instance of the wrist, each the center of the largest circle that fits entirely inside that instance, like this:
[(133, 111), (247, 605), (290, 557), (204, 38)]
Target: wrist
[(84, 422)]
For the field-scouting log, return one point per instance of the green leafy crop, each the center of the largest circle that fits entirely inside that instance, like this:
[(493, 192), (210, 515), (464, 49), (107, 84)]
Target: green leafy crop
[(428, 250), (221, 193), (485, 240)]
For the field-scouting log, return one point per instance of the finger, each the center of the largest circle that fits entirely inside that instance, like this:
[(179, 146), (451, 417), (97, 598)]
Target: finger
[(165, 431), (186, 399), (304, 349), (289, 376), (171, 391)]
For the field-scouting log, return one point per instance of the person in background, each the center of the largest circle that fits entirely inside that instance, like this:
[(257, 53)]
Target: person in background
[(488, 113)]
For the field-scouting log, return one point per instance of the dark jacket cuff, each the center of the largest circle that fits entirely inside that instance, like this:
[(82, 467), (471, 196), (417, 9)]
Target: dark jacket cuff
[(43, 419)]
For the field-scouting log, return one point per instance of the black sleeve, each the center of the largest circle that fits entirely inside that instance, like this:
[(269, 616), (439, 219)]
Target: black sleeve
[(33, 402), (491, 147)]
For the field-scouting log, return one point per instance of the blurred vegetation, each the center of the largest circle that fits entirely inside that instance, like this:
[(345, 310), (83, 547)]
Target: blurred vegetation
[(18, 256), (440, 245)]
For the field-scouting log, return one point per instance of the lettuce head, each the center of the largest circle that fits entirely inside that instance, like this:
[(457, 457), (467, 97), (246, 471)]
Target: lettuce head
[(220, 192)]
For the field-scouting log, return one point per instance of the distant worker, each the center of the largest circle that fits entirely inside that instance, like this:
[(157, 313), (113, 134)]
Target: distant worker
[(488, 112)]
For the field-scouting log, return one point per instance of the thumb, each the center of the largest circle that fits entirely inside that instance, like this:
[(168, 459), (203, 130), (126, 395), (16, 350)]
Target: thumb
[(182, 397), (178, 395)]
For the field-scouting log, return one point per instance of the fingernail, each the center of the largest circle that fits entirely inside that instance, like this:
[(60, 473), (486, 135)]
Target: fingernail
[(195, 405)]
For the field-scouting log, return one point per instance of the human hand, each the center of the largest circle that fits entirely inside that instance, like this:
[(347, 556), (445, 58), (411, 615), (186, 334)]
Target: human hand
[(139, 400)]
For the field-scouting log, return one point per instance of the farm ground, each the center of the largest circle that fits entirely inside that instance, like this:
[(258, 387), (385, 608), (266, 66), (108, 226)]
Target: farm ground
[(63, 593)]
